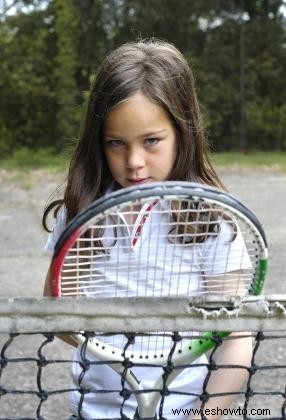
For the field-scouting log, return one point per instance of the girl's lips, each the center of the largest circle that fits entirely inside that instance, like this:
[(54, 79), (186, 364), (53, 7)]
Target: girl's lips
[(138, 180)]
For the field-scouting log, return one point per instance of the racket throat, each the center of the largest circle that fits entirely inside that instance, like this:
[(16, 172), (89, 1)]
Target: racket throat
[(146, 412), (137, 417), (147, 401)]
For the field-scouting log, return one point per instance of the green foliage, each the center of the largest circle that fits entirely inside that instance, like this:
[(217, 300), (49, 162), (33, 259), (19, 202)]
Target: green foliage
[(218, 74), (49, 56), (65, 68), (27, 107), (266, 97), (273, 161), (25, 158)]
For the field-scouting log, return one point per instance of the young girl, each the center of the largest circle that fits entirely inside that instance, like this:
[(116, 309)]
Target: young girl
[(143, 124)]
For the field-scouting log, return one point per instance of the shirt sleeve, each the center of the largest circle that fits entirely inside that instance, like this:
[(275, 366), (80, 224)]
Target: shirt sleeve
[(223, 253), (58, 228)]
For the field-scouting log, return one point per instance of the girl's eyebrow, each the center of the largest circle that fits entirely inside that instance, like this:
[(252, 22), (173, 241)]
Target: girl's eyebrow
[(148, 134), (111, 136), (154, 133)]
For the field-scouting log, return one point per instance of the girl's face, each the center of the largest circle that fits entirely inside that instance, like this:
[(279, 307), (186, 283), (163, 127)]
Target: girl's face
[(139, 142)]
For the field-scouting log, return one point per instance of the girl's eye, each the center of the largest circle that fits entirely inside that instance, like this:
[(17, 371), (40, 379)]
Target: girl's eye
[(152, 141), (115, 143)]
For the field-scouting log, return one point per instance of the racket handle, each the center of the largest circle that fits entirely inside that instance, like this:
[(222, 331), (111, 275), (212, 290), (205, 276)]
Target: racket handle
[(137, 416)]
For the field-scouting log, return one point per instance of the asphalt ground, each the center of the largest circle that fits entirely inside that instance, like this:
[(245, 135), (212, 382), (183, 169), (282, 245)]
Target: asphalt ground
[(23, 264)]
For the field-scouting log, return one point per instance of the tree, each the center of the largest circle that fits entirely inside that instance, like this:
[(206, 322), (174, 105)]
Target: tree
[(27, 108), (66, 30), (219, 74)]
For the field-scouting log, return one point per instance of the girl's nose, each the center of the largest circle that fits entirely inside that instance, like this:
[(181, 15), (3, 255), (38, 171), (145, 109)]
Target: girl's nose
[(135, 159)]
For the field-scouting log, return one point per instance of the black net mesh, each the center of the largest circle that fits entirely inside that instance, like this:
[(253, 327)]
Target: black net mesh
[(35, 384)]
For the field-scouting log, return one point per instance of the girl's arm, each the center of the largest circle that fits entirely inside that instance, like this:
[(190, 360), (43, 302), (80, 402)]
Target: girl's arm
[(231, 352), (47, 292)]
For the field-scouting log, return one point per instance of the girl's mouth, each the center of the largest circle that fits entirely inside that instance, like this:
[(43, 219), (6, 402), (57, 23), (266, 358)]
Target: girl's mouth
[(138, 180)]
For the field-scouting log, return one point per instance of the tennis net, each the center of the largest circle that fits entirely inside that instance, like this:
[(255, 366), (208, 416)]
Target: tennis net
[(35, 364)]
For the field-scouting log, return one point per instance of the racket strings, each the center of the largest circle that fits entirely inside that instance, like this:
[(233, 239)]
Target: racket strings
[(194, 221), (182, 248)]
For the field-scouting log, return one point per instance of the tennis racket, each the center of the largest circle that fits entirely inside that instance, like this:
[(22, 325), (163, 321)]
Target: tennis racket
[(155, 240)]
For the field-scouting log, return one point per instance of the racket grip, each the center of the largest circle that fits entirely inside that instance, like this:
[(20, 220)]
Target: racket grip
[(137, 417)]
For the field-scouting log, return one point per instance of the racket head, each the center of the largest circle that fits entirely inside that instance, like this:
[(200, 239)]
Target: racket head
[(124, 200)]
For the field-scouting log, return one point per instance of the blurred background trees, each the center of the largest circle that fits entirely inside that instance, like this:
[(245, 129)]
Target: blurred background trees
[(50, 49)]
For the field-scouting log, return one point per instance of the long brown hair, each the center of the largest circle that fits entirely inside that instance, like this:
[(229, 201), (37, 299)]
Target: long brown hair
[(158, 70)]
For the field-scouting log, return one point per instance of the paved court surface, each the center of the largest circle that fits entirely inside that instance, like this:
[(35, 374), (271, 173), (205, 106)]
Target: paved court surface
[(23, 265)]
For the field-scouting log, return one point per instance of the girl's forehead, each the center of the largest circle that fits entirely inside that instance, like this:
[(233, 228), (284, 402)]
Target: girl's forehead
[(135, 117), (136, 110)]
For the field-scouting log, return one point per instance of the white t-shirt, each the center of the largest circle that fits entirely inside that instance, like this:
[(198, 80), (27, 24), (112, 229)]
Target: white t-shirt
[(160, 270)]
